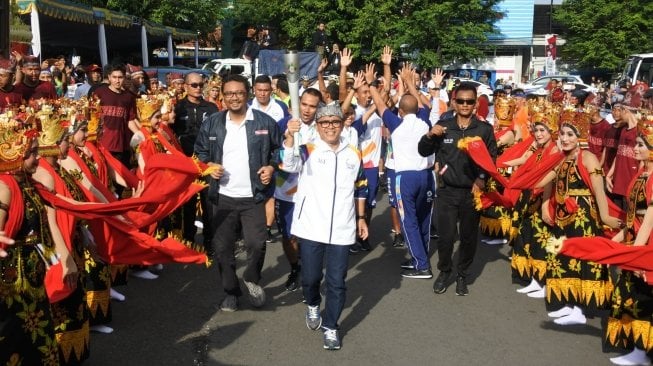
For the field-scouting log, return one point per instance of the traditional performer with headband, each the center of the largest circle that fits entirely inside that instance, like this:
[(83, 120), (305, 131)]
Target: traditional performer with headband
[(576, 193), (69, 308), (27, 331)]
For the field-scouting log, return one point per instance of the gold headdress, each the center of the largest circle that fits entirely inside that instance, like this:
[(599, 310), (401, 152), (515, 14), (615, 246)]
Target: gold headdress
[(579, 121), (14, 143), (645, 127), (547, 114), (504, 109), (147, 106), (92, 111), (51, 131)]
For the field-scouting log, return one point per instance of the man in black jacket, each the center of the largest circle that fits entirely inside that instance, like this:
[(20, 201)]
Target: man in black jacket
[(458, 177), (190, 113), (227, 140)]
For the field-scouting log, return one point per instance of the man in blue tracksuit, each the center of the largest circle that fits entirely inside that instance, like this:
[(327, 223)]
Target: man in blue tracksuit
[(415, 186)]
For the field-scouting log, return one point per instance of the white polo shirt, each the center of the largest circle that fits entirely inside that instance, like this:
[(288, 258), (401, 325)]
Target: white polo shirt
[(235, 159)]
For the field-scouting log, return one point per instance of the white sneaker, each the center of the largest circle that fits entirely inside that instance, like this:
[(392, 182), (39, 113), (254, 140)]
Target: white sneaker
[(144, 274), (636, 357), (533, 286), (496, 241), (574, 318), (560, 313), (115, 295), (101, 329), (539, 294)]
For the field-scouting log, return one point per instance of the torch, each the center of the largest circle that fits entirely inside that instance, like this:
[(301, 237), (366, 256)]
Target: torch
[(291, 61)]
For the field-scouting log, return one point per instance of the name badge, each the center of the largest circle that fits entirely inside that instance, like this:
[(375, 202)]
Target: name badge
[(261, 132), (213, 138), (448, 141)]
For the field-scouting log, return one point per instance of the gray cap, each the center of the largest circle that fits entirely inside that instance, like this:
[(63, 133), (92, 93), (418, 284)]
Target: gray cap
[(329, 110)]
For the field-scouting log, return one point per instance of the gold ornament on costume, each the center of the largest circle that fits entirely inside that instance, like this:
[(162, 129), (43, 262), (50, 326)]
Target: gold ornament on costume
[(147, 106), (546, 113), (504, 109), (14, 143), (51, 129), (645, 127), (579, 121)]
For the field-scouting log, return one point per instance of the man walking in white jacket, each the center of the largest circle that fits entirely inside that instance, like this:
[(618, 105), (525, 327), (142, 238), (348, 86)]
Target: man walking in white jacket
[(329, 212)]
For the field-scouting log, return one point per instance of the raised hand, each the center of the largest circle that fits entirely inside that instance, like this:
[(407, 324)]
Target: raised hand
[(345, 57), (359, 79), (437, 77), (323, 66), (386, 56), (370, 75)]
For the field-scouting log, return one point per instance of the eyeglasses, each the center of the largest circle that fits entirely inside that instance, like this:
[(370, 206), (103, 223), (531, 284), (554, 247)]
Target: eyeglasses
[(196, 85), (330, 123), (465, 101), (239, 94)]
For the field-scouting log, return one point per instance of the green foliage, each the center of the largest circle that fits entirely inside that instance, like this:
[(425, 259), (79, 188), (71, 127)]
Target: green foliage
[(199, 15), (602, 33), (441, 31)]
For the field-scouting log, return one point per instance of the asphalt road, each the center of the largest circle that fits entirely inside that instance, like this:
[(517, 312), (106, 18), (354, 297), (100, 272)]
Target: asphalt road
[(387, 320)]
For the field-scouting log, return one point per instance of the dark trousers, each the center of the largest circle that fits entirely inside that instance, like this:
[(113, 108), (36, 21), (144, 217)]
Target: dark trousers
[(227, 216), (125, 158), (456, 205), (189, 214), (335, 260)]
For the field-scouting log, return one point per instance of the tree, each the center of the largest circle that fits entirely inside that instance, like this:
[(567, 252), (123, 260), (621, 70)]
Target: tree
[(602, 33), (441, 31), (201, 15)]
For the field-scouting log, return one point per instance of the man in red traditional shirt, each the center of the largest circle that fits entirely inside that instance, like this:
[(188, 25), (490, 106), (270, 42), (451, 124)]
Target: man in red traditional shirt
[(31, 87), (625, 166), (119, 120), (598, 129), (8, 95)]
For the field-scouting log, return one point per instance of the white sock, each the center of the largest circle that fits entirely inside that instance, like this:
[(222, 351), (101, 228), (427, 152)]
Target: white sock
[(636, 357), (117, 295), (575, 317), (495, 241), (562, 312), (533, 286), (538, 294), (144, 274), (101, 329)]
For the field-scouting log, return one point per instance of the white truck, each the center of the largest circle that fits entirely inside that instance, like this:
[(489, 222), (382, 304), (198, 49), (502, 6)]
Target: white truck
[(268, 62)]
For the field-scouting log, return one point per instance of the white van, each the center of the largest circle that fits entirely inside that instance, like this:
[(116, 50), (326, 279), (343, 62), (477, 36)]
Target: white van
[(639, 67)]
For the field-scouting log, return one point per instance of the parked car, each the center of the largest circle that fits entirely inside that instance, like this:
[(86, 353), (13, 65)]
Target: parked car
[(543, 81), (581, 86), (162, 71)]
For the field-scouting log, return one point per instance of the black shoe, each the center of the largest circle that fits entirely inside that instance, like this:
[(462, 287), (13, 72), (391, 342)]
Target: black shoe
[(354, 249), (417, 273), (461, 286), (407, 264), (365, 245), (270, 237), (292, 284), (398, 240), (440, 284)]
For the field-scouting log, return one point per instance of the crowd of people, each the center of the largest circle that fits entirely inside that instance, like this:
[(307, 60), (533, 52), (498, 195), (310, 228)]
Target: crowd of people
[(116, 178)]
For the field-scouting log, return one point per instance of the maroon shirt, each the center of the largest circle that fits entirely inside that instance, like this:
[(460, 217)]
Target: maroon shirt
[(44, 89), (117, 110), (10, 97), (610, 143), (596, 137), (625, 165)]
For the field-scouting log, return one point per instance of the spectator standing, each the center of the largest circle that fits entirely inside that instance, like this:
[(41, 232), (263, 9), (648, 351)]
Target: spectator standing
[(237, 191), (320, 39)]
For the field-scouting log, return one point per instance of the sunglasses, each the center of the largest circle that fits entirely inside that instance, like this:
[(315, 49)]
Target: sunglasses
[(465, 101), (196, 85)]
